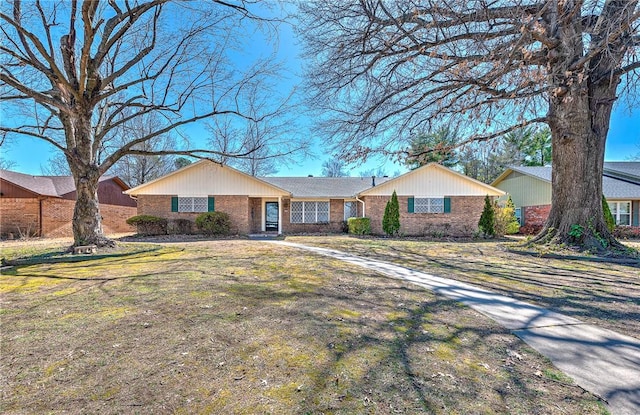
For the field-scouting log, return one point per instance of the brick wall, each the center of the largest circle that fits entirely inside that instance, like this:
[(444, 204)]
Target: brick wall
[(534, 217), (461, 221), (255, 210), (57, 215), (336, 218), (237, 207), (114, 218), (19, 215)]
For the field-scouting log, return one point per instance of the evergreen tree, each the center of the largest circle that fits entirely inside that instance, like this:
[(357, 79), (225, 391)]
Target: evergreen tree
[(487, 219), (391, 218), (608, 217)]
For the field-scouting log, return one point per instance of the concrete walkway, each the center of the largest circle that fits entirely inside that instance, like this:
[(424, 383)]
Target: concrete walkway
[(601, 361)]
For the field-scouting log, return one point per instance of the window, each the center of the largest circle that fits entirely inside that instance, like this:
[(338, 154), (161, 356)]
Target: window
[(309, 212), (621, 212), (350, 210), (192, 204), (428, 205), (518, 213)]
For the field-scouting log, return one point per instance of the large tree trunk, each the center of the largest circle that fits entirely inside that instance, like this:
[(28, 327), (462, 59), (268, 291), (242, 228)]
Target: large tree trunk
[(580, 108), (87, 221)]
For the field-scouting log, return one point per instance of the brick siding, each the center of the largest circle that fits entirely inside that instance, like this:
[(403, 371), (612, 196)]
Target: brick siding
[(19, 215), (255, 206), (461, 221), (534, 218), (57, 215), (237, 207)]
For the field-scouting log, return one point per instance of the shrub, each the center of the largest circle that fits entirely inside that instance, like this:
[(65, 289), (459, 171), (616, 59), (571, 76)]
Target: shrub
[(214, 223), (391, 218), (359, 226), (608, 217), (487, 220), (506, 222), (148, 225), (180, 226), (626, 232)]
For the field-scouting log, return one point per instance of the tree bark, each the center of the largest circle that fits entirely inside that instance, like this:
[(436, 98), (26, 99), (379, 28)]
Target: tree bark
[(580, 106), (87, 221)]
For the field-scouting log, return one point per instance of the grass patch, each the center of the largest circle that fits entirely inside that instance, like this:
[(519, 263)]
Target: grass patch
[(603, 293), (244, 327)]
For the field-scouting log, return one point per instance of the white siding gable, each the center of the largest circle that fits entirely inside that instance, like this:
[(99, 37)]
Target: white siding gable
[(433, 180), (207, 178)]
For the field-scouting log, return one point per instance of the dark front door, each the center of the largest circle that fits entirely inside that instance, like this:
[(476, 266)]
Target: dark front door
[(271, 216)]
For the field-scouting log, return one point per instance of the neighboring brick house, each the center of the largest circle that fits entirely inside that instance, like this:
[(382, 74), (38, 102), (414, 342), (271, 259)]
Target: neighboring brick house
[(530, 190), (434, 200), (43, 205)]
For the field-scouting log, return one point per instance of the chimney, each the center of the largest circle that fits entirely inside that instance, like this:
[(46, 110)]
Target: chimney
[(311, 175), (373, 181)]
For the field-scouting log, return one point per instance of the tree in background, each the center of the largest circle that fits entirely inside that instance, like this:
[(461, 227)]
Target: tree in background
[(391, 218), (385, 70), (334, 168), (269, 135), (180, 162), (435, 147), (486, 224), (533, 144), (74, 73), (4, 163), (379, 172)]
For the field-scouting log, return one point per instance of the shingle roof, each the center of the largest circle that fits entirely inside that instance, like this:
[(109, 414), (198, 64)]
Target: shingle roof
[(625, 170), (613, 184), (323, 187), (55, 186), (37, 184)]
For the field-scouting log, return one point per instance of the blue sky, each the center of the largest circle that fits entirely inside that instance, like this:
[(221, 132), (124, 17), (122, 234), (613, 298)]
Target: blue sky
[(30, 155)]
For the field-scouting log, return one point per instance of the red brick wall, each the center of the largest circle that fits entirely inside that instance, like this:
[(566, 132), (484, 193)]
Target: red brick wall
[(255, 210), (19, 215), (57, 215), (461, 221), (535, 217), (236, 206)]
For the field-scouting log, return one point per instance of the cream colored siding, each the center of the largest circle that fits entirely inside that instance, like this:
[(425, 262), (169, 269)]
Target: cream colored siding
[(433, 181), (526, 190), (207, 178)]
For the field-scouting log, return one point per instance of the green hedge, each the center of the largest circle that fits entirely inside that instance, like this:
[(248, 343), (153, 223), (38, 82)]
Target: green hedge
[(214, 223), (359, 226), (148, 225)]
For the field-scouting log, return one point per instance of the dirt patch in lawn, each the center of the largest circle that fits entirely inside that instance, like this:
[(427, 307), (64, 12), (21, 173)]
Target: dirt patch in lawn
[(602, 293), (239, 327)]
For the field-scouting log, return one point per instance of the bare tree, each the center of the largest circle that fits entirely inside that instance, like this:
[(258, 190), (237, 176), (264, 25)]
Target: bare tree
[(334, 168), (5, 163), (384, 70), (268, 140), (76, 72)]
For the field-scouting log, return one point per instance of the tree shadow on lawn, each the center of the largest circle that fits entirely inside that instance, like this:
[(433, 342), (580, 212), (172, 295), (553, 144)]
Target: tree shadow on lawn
[(592, 292), (333, 339)]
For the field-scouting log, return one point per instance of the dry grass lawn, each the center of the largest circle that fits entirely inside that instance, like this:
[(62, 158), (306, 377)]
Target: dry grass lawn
[(240, 327), (599, 292)]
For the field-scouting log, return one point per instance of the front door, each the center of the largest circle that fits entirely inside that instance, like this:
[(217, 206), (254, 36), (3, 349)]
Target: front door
[(271, 216)]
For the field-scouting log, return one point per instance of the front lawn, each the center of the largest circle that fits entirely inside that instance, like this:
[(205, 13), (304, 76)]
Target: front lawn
[(226, 327), (603, 293)]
